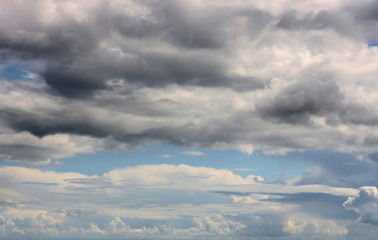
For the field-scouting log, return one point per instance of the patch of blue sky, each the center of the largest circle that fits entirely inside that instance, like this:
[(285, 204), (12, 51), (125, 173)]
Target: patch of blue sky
[(372, 43), (269, 167), (16, 71)]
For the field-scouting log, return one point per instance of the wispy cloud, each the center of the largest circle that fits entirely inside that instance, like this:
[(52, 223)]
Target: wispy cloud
[(244, 169), (194, 153), (58, 163)]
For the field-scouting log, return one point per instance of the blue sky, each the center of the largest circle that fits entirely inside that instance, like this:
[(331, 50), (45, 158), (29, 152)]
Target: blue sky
[(188, 120), (266, 166)]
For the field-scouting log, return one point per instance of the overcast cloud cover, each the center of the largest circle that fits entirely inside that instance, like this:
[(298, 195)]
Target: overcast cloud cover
[(265, 78)]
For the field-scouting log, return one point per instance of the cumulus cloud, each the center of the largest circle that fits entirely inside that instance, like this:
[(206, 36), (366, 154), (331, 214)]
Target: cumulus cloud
[(116, 228), (365, 204), (311, 227), (164, 201)]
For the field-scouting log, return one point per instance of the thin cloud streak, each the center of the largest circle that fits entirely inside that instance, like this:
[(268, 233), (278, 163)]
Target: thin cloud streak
[(194, 153)]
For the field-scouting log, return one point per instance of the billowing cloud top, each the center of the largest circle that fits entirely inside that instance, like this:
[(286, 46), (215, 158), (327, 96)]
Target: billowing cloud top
[(365, 204), (244, 75)]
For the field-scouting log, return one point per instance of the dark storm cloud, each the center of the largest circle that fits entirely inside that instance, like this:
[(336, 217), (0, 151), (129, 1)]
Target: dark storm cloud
[(76, 65), (299, 101), (78, 121), (106, 70), (54, 122)]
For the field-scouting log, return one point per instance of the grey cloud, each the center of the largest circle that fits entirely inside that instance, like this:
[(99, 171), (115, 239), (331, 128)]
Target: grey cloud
[(181, 26), (78, 212), (356, 230), (77, 65), (132, 120), (134, 116), (351, 19), (290, 21), (299, 101), (24, 152), (365, 12), (7, 204), (99, 72), (55, 122), (321, 20), (113, 117), (358, 114)]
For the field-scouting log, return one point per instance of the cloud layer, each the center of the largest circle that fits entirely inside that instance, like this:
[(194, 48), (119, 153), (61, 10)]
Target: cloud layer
[(164, 201), (236, 75)]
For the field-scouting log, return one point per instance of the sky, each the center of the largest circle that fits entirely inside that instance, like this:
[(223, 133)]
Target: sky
[(196, 120)]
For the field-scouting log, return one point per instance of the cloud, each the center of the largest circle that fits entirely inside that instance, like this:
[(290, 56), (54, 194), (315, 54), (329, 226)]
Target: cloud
[(77, 212), (59, 163), (166, 200), (116, 228), (253, 77), (314, 227), (337, 169), (165, 156), (244, 169), (194, 153), (365, 204), (300, 101), (110, 45), (170, 175), (25, 148)]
